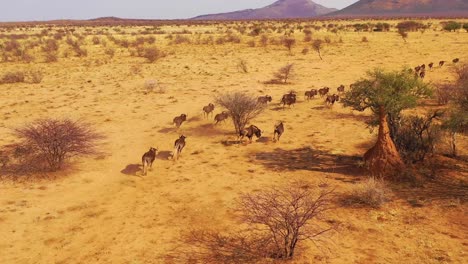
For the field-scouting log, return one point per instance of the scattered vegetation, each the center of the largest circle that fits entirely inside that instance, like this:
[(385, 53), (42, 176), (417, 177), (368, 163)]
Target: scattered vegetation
[(241, 106), (49, 143), (370, 193)]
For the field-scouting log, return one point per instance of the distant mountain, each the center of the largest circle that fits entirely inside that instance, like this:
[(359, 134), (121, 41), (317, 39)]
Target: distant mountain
[(373, 8), (279, 9)]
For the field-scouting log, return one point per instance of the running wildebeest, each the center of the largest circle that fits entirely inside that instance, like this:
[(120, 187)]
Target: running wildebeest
[(423, 67), (456, 60), (148, 158), (417, 69), (288, 99), (340, 89), (422, 74), (323, 91), (250, 132), (279, 130), (208, 109), (264, 99), (179, 145), (310, 94), (441, 63), (430, 65), (221, 117), (178, 120), (331, 99)]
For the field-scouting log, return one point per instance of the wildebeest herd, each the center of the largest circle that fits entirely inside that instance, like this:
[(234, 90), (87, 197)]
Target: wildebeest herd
[(288, 99)]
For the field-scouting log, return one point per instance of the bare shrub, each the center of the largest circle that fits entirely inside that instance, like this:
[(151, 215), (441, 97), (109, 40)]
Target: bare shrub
[(305, 51), (416, 137), (289, 43), (54, 141), (12, 77), (181, 39), (276, 220), (110, 52), (444, 93), (242, 66), (51, 57), (317, 46), (150, 85), (153, 54), (286, 216), (35, 76), (241, 106), (372, 192), (264, 40)]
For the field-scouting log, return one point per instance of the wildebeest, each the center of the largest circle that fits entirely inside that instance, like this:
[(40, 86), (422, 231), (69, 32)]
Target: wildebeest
[(179, 145), (340, 89), (310, 94), (208, 109), (178, 120), (441, 63), (264, 99), (430, 65), (456, 60), (279, 130), (250, 132), (422, 74), (331, 99), (288, 99), (221, 117), (423, 67), (323, 91), (417, 69), (148, 158)]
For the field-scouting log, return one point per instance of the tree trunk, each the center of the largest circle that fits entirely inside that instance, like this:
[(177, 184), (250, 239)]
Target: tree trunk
[(454, 143), (383, 158)]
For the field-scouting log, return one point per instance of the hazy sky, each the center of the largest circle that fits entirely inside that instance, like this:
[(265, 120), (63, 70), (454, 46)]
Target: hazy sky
[(27, 10)]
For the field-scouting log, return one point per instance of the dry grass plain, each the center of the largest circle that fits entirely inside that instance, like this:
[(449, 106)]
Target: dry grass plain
[(101, 210)]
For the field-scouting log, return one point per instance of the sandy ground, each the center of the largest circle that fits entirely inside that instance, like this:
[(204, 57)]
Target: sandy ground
[(101, 210)]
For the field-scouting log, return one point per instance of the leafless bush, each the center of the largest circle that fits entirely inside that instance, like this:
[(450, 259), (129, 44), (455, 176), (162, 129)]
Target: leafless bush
[(276, 220), (110, 52), (54, 141), (444, 93), (287, 216), (35, 76), (264, 40), (372, 192), (317, 46), (289, 43), (242, 66), (150, 85), (12, 77), (241, 106), (181, 39), (153, 54)]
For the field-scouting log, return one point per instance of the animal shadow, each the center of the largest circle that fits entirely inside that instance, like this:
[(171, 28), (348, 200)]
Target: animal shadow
[(131, 169), (264, 140), (167, 130), (164, 155)]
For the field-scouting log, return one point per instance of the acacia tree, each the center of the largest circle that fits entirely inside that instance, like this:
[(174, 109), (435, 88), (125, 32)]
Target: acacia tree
[(241, 106), (385, 93)]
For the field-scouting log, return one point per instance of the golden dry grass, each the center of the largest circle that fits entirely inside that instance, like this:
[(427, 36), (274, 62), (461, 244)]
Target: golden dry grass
[(104, 211)]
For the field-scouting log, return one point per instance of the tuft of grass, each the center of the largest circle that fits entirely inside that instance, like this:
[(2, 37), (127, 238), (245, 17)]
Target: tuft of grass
[(370, 193)]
